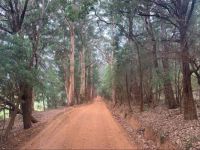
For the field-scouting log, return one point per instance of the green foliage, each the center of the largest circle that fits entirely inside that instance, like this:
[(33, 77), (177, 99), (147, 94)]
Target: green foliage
[(75, 12), (72, 12), (96, 79), (15, 54), (54, 87), (2, 114), (106, 83)]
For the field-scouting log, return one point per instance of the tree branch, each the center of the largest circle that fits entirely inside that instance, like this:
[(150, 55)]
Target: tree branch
[(23, 12)]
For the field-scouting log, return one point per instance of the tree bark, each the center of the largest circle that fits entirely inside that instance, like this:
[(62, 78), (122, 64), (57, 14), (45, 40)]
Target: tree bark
[(190, 112), (83, 76), (168, 91), (128, 94), (71, 78), (141, 78), (12, 121), (91, 82), (66, 78), (33, 100), (26, 104), (149, 28), (43, 102)]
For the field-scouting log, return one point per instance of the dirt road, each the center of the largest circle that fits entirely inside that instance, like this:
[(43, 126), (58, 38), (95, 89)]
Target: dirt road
[(85, 127)]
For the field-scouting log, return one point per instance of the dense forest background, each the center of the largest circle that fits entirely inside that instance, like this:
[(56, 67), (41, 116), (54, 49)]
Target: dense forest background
[(65, 52)]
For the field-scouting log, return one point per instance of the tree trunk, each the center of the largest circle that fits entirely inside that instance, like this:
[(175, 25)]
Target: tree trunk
[(26, 104), (168, 91), (33, 100), (35, 38), (177, 84), (128, 94), (141, 79), (66, 79), (141, 87), (71, 78), (112, 62), (83, 76), (26, 90), (43, 102), (88, 77), (91, 82), (190, 112), (113, 83), (11, 122), (149, 28)]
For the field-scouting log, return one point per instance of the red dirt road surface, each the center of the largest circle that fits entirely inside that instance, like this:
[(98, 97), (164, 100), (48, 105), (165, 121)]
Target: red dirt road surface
[(86, 127)]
